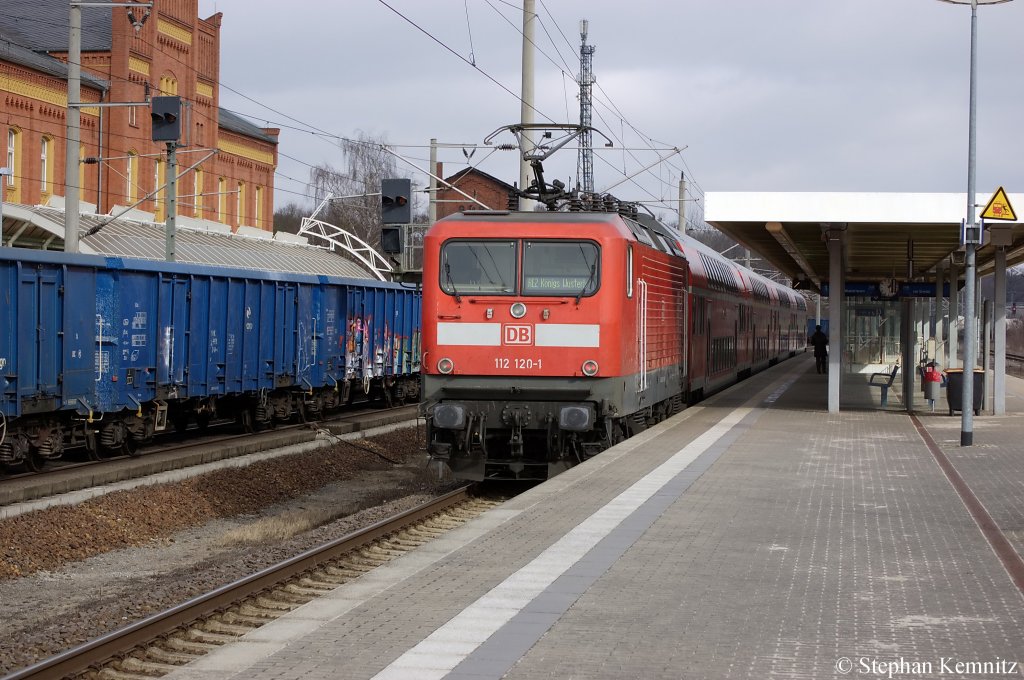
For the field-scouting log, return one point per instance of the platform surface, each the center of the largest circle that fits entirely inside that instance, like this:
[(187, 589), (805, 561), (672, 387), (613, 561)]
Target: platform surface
[(752, 536)]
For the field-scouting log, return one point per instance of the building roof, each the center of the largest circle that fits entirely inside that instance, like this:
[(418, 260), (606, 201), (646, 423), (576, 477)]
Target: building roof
[(12, 50), (235, 123), (454, 179), (42, 25), (196, 242), (884, 235)]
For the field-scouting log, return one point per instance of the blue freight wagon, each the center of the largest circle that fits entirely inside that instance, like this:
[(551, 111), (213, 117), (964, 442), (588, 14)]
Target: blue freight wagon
[(102, 352)]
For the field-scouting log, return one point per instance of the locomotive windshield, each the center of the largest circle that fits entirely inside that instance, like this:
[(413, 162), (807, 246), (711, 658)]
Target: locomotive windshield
[(560, 268), (478, 267)]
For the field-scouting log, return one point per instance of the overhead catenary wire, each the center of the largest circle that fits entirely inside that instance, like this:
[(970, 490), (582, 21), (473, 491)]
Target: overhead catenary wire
[(303, 126)]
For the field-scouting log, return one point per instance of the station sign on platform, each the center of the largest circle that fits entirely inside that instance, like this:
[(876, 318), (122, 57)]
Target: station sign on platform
[(923, 289)]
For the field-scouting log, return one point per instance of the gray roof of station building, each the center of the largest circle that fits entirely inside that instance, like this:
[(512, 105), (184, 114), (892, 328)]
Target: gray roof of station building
[(16, 53), (197, 242), (42, 25), (232, 121)]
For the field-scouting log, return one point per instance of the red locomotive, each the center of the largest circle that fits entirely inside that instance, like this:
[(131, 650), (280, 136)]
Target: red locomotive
[(550, 336)]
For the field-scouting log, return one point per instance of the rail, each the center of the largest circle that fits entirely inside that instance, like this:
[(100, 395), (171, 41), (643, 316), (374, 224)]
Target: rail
[(121, 643)]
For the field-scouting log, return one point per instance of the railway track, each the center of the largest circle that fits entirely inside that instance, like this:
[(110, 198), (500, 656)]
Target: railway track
[(160, 643), (168, 445), (1014, 363)]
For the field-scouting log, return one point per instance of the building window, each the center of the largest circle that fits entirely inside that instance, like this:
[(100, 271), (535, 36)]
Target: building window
[(197, 189), (13, 139), (240, 203), (222, 201), (12, 144), (168, 85), (132, 119), (257, 210), (45, 148)]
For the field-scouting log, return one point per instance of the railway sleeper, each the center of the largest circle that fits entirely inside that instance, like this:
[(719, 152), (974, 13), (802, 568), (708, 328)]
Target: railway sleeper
[(246, 616), (356, 565), (215, 625), (304, 592), (139, 666), (317, 581), (385, 552), (324, 580), (179, 643), (170, 657), (277, 602), (342, 573), (198, 634), (251, 610)]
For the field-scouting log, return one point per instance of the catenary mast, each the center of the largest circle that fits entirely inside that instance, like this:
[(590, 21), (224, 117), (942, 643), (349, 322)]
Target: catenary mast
[(585, 163)]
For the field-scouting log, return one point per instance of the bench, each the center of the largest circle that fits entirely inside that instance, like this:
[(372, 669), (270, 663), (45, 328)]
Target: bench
[(885, 381)]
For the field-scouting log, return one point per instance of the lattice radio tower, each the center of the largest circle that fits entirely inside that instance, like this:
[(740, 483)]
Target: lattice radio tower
[(585, 163)]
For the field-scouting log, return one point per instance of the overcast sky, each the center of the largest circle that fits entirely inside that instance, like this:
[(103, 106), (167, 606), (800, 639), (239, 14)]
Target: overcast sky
[(765, 95)]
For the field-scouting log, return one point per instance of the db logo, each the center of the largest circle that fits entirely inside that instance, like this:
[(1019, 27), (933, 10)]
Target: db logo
[(517, 335)]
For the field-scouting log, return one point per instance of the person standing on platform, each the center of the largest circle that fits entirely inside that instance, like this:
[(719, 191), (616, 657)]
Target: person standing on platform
[(820, 343)]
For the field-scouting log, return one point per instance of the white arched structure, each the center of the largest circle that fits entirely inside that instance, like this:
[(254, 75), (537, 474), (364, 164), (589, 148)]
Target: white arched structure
[(338, 238)]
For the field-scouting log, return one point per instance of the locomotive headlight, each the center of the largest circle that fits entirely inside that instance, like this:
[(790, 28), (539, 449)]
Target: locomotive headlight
[(590, 368), (445, 366), (450, 416), (576, 417), (518, 310)]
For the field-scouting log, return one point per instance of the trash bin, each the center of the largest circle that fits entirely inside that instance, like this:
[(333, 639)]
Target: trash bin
[(955, 386)]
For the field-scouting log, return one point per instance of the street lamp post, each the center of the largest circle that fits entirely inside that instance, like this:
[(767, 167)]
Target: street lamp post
[(971, 239)]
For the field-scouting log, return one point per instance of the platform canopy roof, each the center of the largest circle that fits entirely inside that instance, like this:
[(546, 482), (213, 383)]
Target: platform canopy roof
[(900, 236), (136, 235)]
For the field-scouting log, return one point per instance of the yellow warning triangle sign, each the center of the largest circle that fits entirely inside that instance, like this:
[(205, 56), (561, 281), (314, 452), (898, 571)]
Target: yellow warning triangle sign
[(999, 207)]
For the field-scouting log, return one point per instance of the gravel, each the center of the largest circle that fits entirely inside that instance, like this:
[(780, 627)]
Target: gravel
[(69, 574)]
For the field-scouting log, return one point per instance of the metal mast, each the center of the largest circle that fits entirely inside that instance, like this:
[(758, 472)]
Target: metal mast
[(585, 163)]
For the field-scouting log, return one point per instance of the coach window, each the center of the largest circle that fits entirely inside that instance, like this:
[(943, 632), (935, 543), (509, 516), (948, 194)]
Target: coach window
[(560, 268), (478, 267)]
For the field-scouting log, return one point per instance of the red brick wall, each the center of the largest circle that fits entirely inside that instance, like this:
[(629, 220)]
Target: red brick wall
[(480, 187), (181, 53), (32, 120)]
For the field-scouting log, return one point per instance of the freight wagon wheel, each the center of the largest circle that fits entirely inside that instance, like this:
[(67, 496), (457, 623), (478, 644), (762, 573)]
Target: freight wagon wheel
[(246, 420), (130, 447), (180, 423), (203, 421), (92, 449), (33, 462)]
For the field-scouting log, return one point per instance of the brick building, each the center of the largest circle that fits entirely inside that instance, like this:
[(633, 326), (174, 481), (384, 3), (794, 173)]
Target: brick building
[(174, 53), (487, 189)]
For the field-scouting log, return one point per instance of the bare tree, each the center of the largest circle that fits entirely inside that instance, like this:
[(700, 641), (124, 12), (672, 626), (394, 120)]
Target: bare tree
[(366, 163), (288, 218)]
